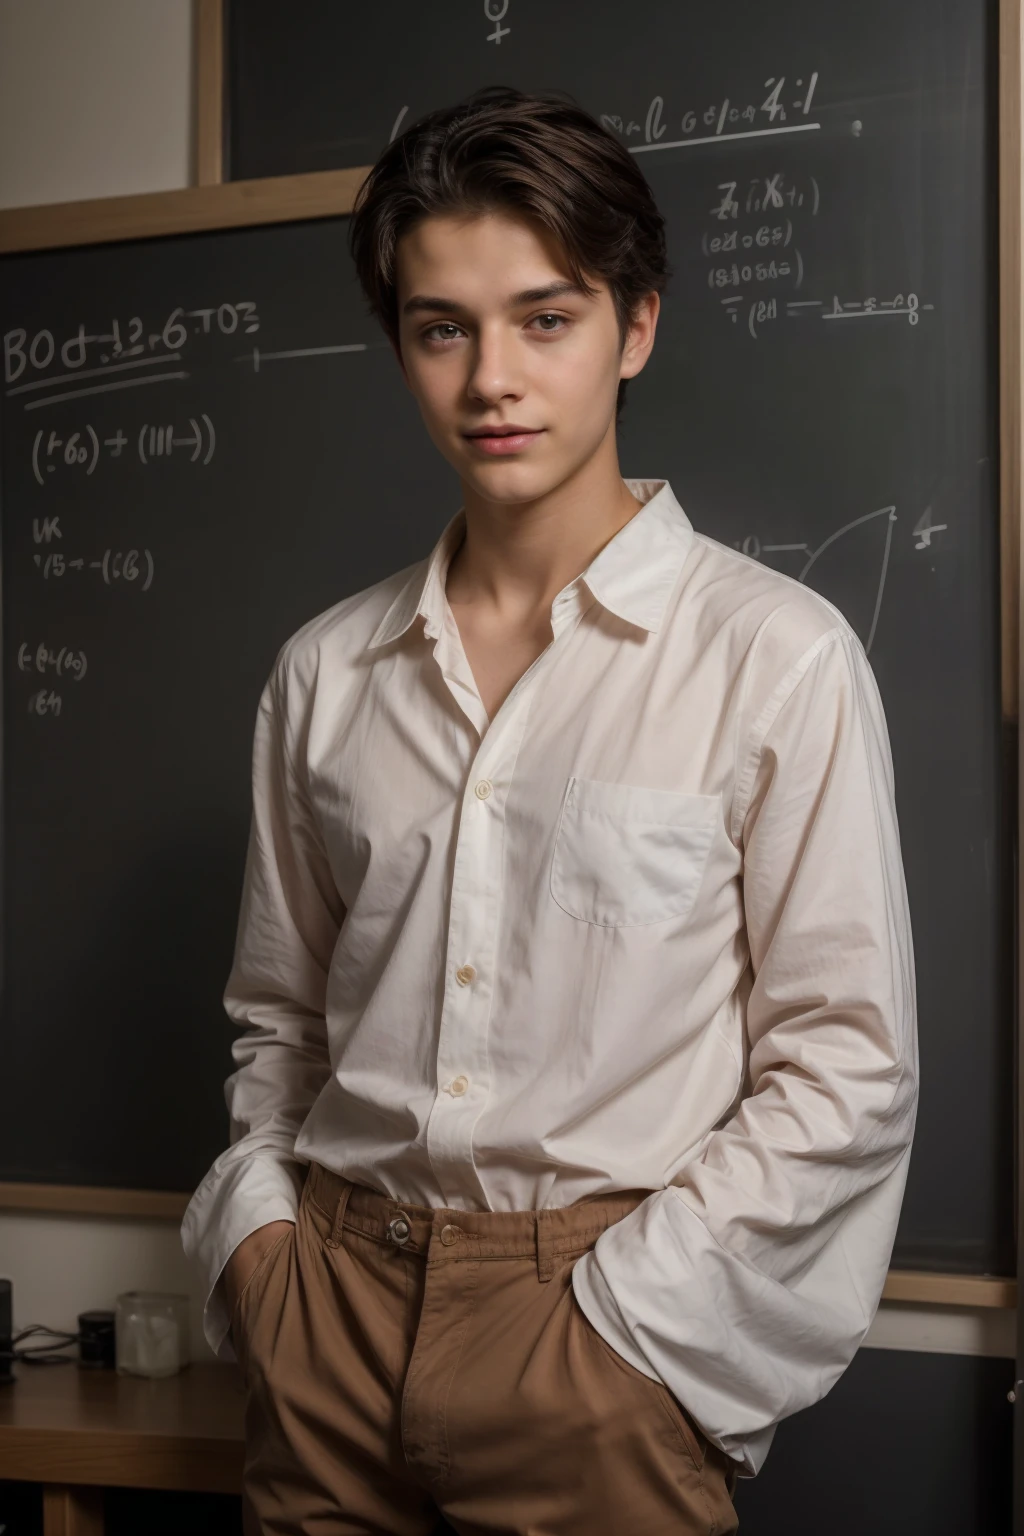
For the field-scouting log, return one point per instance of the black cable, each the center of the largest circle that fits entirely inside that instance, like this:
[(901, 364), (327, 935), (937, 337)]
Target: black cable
[(41, 1354)]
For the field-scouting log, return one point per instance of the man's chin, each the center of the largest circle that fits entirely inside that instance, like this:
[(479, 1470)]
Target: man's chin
[(508, 482)]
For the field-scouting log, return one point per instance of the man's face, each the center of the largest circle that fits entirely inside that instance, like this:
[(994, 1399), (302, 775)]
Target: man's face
[(487, 341)]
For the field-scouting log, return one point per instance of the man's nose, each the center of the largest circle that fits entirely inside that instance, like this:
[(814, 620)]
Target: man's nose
[(496, 369)]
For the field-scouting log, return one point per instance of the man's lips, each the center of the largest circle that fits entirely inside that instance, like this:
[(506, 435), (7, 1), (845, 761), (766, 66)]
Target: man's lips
[(499, 440)]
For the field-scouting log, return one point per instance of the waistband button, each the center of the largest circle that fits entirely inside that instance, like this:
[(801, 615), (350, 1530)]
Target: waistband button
[(399, 1230), (450, 1235)]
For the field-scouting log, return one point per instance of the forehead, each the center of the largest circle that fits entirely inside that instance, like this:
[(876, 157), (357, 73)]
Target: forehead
[(481, 251)]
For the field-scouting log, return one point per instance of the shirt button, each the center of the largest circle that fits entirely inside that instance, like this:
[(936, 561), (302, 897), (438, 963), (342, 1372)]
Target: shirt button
[(483, 789), (459, 1085), (464, 975), (450, 1235)]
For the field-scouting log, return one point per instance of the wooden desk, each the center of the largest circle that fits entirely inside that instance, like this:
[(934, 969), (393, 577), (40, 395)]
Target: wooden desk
[(77, 1431)]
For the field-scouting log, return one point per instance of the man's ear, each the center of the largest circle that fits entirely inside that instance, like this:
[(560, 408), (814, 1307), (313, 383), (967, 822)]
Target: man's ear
[(640, 336)]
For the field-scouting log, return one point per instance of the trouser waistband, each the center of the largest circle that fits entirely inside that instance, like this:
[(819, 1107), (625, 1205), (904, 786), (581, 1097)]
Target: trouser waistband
[(443, 1234)]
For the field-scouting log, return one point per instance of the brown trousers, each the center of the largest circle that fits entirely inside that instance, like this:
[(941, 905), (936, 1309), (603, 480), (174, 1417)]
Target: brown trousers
[(399, 1360)]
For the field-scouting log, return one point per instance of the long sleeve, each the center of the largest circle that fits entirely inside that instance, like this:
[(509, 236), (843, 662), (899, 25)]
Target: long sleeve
[(748, 1283), (288, 924)]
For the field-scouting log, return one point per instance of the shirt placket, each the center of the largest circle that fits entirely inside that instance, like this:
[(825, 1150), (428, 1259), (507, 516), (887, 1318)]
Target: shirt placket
[(463, 1069)]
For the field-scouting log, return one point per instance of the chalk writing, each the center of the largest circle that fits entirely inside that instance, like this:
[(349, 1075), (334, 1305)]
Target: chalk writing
[(755, 549), (44, 703), (924, 528), (258, 358), (766, 194), (496, 11), (759, 313), (785, 109), (43, 658), (761, 238), (115, 566), (860, 309), (756, 272), (28, 360), (83, 448)]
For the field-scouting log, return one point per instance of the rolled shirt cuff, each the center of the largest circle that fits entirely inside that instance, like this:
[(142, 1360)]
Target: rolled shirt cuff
[(238, 1195), (738, 1349)]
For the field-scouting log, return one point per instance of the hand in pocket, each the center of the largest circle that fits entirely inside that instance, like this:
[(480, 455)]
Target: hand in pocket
[(247, 1258)]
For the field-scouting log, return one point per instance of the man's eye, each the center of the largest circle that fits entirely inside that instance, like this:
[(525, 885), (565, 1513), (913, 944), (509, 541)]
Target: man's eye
[(442, 325), (557, 318)]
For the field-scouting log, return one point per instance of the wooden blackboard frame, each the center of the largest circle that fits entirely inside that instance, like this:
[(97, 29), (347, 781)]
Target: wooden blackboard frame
[(216, 204), (211, 119)]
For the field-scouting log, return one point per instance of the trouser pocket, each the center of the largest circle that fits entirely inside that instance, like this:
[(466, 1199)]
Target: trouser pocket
[(623, 1376), (248, 1296)]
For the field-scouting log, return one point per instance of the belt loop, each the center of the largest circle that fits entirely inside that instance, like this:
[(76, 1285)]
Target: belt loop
[(335, 1238), (545, 1246)]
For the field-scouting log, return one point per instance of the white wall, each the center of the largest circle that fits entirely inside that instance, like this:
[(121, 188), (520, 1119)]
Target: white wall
[(95, 98), (95, 101)]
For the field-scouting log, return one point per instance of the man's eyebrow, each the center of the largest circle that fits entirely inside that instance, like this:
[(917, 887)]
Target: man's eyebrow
[(549, 291), (425, 301)]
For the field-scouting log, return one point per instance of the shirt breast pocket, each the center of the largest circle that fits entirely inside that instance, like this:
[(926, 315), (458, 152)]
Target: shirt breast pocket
[(625, 855)]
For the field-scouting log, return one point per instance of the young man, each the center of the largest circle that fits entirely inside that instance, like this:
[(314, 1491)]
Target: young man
[(573, 1110)]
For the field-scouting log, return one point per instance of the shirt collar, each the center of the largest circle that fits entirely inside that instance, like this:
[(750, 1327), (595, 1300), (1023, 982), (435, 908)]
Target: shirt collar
[(632, 576)]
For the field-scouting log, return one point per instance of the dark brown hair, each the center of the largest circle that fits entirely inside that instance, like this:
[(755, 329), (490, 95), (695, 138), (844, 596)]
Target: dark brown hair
[(538, 155)]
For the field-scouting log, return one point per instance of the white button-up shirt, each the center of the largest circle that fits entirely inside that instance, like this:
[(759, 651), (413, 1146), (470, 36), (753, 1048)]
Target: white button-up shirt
[(647, 928)]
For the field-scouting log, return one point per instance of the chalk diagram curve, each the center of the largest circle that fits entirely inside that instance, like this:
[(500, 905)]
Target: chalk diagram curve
[(753, 547)]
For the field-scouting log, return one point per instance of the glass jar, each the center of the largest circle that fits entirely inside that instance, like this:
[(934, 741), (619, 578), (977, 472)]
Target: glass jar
[(151, 1333)]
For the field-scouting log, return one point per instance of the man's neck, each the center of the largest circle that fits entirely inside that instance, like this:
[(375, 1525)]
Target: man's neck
[(515, 559)]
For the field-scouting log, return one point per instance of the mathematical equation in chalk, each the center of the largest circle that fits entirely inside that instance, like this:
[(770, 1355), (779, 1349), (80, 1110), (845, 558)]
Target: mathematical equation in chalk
[(758, 313), (762, 239), (116, 567), (31, 362), (799, 558), (766, 252), (758, 222), (82, 450), (780, 106), (777, 193), (757, 272), (62, 661), (742, 211), (807, 554)]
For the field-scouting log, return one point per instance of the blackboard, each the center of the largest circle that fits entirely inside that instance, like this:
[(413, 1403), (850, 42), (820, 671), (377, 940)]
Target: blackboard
[(162, 537), (169, 518), (799, 390)]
